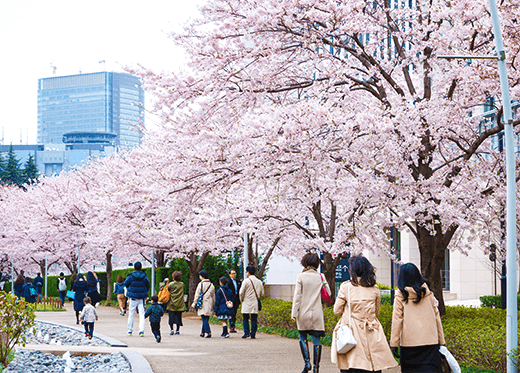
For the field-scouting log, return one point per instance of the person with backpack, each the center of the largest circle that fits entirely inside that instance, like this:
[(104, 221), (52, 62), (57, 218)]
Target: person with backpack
[(38, 285), (61, 285), (29, 292), (137, 286), (155, 311), (119, 291)]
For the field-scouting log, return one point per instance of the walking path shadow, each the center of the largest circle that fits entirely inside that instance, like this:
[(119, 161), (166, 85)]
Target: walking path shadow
[(188, 352)]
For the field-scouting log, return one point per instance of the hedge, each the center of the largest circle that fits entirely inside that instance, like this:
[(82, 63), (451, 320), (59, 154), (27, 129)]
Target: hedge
[(475, 336), (494, 301)]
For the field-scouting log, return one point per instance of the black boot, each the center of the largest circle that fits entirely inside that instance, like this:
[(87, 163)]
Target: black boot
[(317, 358), (304, 347)]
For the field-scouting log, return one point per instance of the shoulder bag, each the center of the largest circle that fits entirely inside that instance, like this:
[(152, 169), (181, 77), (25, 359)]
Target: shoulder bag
[(229, 304), (343, 333), (164, 294), (325, 296), (198, 305), (258, 299)]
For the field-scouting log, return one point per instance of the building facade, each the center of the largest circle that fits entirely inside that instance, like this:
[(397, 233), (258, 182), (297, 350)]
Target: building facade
[(106, 102)]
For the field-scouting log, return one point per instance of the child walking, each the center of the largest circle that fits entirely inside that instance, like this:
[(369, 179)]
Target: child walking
[(155, 311), (88, 316), (222, 309)]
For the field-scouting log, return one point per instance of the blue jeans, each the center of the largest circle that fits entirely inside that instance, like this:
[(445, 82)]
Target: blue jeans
[(63, 294), (205, 325), (245, 323)]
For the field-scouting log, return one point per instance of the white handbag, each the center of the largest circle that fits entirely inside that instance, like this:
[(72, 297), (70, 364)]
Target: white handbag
[(343, 333), (454, 366)]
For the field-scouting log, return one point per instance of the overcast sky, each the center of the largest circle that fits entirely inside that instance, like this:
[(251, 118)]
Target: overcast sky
[(74, 36)]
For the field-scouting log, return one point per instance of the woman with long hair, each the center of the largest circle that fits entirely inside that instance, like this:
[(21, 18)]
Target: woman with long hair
[(18, 285), (94, 285), (307, 309), (223, 312), (372, 353), (416, 323)]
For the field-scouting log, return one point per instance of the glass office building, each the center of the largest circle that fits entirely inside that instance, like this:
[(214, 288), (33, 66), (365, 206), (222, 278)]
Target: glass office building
[(107, 102)]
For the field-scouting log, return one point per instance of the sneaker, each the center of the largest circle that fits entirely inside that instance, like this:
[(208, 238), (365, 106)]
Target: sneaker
[(208, 335), (121, 313), (141, 334), (245, 336), (202, 335), (158, 339), (129, 333), (172, 332), (232, 330), (225, 335), (89, 337), (177, 332)]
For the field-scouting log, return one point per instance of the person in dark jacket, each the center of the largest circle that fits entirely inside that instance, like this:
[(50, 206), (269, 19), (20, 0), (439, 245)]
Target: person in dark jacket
[(18, 286), (93, 287), (61, 285), (38, 285), (80, 292), (28, 291), (155, 311), (137, 286), (234, 284), (223, 312)]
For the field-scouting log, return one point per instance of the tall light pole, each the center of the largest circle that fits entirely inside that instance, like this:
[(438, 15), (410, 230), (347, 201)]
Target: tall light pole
[(511, 323)]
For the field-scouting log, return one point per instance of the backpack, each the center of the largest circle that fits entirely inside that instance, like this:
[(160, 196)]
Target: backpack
[(164, 294), (62, 284)]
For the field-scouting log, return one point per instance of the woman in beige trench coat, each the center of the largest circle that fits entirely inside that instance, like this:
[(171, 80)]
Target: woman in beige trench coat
[(208, 301), (307, 310), (372, 353)]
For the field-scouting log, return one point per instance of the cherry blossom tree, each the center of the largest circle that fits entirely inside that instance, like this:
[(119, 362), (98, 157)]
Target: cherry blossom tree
[(348, 105)]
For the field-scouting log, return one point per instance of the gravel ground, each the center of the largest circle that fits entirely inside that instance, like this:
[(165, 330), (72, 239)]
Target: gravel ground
[(40, 362)]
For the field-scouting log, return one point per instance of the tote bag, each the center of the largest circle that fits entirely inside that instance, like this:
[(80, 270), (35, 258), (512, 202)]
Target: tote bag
[(343, 334)]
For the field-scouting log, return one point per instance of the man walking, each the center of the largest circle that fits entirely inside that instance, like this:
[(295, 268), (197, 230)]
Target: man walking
[(234, 284), (61, 284), (251, 291), (137, 286), (38, 285)]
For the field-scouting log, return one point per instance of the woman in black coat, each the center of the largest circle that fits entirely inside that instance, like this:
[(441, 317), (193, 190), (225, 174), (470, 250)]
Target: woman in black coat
[(92, 287), (80, 291), (223, 312)]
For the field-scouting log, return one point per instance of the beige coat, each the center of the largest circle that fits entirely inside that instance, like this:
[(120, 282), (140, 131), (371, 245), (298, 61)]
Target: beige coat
[(208, 302), (372, 352), (416, 324), (307, 308), (247, 294)]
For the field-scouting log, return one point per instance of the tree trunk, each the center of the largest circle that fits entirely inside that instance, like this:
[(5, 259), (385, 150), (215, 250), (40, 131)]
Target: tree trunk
[(329, 271), (267, 256), (109, 274), (72, 267), (432, 249), (195, 267), (160, 258)]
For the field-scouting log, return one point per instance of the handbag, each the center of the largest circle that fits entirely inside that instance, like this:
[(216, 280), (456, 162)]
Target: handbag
[(325, 296), (198, 305), (343, 334), (164, 294), (450, 360), (229, 304), (70, 294), (256, 295)]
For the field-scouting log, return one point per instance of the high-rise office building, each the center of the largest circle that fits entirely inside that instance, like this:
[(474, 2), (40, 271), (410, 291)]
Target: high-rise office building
[(81, 108)]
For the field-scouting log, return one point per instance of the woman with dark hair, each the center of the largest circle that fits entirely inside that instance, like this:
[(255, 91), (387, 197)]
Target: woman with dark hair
[(119, 291), (28, 291), (176, 305), (307, 309), (94, 286), (80, 292), (18, 285), (416, 323), (223, 312), (206, 288), (360, 298)]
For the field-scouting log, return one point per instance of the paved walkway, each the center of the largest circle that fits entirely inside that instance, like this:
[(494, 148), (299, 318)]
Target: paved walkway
[(188, 352)]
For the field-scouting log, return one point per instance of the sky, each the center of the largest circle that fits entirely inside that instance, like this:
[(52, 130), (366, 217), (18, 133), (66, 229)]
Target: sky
[(74, 36)]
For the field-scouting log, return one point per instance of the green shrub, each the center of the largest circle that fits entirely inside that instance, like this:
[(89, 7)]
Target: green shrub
[(16, 317), (494, 301)]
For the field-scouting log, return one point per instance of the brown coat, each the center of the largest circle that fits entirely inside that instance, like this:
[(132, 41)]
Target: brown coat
[(372, 352), (307, 308), (416, 324), (208, 301), (247, 294)]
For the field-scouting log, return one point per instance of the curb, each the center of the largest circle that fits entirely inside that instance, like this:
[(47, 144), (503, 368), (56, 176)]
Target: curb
[(137, 362)]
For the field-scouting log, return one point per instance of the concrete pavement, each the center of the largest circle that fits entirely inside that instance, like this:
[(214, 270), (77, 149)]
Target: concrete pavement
[(188, 352)]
